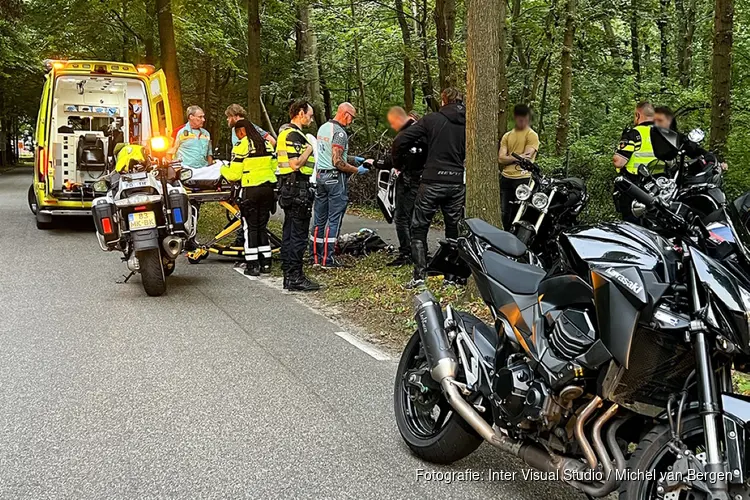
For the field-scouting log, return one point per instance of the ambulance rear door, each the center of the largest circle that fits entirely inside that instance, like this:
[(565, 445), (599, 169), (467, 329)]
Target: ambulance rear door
[(161, 116)]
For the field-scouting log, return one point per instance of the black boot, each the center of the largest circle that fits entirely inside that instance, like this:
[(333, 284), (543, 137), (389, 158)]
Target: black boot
[(419, 256), (301, 283), (265, 266), (286, 280), (252, 268)]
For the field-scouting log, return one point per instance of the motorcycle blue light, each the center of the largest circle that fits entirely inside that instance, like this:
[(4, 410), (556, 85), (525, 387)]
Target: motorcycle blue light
[(177, 214)]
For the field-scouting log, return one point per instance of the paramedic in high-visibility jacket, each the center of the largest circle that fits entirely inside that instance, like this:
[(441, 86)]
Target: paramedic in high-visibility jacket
[(331, 197), (253, 161), (635, 150)]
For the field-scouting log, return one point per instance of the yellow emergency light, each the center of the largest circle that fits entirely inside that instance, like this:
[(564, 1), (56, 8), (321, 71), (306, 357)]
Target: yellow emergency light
[(53, 64), (159, 144), (145, 69)]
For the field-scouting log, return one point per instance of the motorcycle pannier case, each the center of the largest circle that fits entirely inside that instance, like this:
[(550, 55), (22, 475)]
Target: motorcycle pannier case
[(104, 219), (180, 209)]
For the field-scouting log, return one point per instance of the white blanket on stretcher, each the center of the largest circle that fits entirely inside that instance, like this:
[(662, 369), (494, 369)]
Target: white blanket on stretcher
[(210, 172)]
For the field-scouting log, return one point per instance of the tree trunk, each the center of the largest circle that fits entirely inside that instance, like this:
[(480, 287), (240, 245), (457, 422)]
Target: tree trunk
[(445, 24), (609, 35), (664, 42), (566, 79), (502, 79), (327, 106), (207, 69), (428, 88), (483, 65), (721, 69), (685, 14), (360, 80), (253, 61), (308, 57), (406, 36), (169, 60), (543, 105), (634, 46)]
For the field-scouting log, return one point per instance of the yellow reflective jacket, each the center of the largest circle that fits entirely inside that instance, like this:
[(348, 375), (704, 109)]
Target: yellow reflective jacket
[(132, 153), (290, 146), (250, 169)]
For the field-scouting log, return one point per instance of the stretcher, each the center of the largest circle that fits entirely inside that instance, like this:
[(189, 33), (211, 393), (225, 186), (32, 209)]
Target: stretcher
[(206, 189)]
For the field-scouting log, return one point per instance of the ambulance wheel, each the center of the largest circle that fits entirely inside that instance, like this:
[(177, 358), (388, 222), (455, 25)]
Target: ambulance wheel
[(33, 205), (152, 272)]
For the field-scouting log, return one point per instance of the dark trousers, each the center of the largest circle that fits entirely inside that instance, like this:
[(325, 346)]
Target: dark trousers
[(406, 195), (331, 198), (508, 198), (450, 199), (297, 212), (257, 203)]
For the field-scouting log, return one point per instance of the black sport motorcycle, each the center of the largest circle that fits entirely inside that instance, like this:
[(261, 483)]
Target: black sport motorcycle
[(613, 376), (546, 207)]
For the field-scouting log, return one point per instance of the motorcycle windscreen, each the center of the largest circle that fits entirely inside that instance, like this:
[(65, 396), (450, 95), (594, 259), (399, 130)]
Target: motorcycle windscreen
[(387, 193), (619, 296)]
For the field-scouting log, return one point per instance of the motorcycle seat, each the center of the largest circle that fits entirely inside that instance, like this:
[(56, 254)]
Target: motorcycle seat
[(503, 241), (517, 277)]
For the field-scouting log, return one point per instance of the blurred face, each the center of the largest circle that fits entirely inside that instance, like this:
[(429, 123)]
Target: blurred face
[(232, 119), (662, 120), (638, 117), (396, 121), (522, 122), (240, 132), (305, 118), (349, 117), (197, 119)]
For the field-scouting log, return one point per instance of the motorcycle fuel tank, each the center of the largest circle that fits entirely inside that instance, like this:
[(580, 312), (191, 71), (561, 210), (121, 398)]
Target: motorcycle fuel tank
[(618, 244)]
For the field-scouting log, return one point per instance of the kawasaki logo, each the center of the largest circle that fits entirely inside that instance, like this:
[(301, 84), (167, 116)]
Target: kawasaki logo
[(630, 284)]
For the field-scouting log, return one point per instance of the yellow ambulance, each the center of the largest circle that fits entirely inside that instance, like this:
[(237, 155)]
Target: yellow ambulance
[(87, 109)]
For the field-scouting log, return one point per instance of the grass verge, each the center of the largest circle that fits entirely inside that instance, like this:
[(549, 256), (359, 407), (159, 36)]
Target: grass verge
[(368, 294)]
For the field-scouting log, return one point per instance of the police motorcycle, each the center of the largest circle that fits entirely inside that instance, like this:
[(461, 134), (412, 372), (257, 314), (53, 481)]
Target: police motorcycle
[(694, 177), (613, 376), (145, 213)]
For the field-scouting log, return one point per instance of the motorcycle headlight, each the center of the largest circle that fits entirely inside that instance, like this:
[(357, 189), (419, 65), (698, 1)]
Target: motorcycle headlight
[(540, 201), (101, 186), (523, 192)]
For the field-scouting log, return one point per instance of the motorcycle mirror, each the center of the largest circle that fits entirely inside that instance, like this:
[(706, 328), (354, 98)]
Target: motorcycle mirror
[(638, 209), (696, 135), (186, 174), (643, 171)]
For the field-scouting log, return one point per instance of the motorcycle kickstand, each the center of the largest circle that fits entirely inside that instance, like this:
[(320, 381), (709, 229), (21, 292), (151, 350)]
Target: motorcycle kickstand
[(124, 279)]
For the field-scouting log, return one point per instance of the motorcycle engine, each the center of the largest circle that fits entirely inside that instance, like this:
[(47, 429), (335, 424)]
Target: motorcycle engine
[(572, 334), (524, 398)]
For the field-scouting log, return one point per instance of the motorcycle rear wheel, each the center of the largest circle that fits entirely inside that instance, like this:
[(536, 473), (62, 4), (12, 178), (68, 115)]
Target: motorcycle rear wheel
[(152, 272), (443, 439)]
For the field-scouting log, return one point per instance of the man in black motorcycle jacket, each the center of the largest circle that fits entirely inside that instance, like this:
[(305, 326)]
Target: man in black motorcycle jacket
[(443, 183), (407, 157)]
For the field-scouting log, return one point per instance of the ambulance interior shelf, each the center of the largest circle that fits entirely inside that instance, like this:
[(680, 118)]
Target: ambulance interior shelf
[(90, 115)]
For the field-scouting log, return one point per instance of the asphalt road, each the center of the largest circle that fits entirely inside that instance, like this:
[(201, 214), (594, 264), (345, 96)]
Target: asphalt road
[(223, 388)]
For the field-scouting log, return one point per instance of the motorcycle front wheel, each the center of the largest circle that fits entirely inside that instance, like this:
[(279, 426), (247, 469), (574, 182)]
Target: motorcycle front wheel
[(425, 419), (152, 272), (653, 454)]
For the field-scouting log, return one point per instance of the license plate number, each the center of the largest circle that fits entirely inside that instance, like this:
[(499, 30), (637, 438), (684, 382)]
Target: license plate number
[(142, 220)]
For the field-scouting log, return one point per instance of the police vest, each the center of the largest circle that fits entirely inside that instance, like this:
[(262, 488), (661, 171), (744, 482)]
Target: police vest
[(644, 155), (251, 170), (284, 147)]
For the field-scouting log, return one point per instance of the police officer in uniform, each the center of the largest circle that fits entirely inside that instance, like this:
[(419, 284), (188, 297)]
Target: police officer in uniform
[(254, 157), (635, 150), (296, 164)]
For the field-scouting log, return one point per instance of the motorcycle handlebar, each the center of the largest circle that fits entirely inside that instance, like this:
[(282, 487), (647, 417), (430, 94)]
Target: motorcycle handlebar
[(638, 194)]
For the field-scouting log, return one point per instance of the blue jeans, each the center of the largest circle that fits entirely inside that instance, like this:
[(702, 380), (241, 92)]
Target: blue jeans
[(331, 198)]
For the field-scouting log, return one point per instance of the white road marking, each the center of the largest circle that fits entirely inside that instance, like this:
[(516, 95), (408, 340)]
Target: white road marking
[(364, 346)]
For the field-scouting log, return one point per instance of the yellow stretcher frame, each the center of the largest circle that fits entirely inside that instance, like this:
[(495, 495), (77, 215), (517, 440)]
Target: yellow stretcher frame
[(227, 200)]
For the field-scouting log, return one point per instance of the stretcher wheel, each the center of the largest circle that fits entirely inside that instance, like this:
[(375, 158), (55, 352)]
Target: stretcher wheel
[(198, 255)]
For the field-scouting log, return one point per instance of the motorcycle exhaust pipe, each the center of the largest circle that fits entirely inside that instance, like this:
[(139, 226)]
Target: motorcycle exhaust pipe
[(431, 325), (173, 246)]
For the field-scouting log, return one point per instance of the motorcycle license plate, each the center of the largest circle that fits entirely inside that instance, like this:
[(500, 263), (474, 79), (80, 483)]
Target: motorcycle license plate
[(142, 220)]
